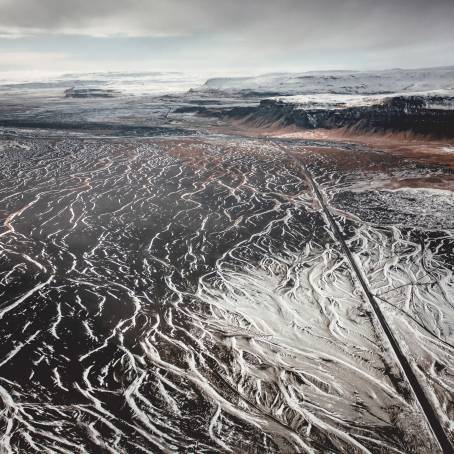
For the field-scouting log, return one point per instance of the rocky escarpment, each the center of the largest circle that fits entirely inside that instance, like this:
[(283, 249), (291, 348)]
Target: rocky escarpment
[(416, 114)]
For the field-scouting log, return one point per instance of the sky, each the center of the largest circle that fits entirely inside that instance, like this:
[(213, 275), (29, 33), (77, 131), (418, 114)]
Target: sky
[(224, 36)]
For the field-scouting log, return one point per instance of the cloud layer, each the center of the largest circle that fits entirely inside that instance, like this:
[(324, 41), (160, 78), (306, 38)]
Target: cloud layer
[(258, 28), (285, 19)]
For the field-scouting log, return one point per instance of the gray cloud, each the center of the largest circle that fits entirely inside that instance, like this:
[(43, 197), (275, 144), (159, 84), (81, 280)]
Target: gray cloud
[(273, 19), (255, 27)]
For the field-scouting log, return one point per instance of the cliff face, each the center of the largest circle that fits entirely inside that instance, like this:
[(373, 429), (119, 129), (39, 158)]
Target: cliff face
[(414, 114)]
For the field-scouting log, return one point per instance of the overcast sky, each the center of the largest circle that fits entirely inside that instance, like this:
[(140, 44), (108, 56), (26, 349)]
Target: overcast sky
[(240, 36)]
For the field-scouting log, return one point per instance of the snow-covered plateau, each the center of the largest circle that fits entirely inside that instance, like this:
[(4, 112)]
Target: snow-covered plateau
[(341, 82)]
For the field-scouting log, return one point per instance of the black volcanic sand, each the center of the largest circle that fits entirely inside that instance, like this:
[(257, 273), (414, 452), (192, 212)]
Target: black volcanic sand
[(187, 294)]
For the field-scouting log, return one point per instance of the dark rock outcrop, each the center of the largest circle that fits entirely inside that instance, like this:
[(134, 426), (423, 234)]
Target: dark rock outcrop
[(90, 93), (401, 113)]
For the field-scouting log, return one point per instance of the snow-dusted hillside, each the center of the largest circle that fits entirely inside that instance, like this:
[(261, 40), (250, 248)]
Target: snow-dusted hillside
[(434, 80), (439, 99)]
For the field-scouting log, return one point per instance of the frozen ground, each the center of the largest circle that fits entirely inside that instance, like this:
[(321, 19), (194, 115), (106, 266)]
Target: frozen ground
[(182, 289)]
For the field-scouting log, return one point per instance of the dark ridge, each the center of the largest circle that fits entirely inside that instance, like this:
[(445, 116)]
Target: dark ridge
[(397, 114), (219, 112), (90, 93), (100, 128)]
